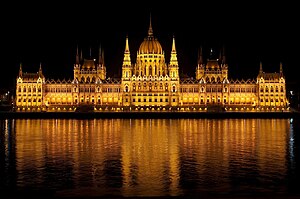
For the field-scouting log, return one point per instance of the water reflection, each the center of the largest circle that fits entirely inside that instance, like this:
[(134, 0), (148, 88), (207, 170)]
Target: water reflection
[(149, 157), (8, 173)]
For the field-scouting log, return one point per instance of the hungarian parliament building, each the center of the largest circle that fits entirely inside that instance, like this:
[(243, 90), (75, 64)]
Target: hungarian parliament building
[(151, 84)]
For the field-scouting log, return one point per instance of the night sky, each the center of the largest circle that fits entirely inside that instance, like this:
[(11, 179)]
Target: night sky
[(48, 33)]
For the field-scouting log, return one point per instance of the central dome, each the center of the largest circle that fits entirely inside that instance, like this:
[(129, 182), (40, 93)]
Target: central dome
[(150, 45)]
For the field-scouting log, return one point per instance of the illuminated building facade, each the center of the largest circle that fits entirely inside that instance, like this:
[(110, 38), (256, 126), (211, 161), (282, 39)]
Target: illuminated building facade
[(151, 84)]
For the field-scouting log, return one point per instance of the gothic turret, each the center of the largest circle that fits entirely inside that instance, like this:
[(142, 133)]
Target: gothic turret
[(200, 65), (101, 69), (126, 67), (173, 67), (40, 71), (20, 71)]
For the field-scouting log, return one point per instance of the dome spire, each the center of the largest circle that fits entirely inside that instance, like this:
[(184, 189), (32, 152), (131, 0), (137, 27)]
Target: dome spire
[(150, 45), (150, 31)]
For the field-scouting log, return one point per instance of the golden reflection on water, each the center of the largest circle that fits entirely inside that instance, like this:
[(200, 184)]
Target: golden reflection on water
[(151, 157)]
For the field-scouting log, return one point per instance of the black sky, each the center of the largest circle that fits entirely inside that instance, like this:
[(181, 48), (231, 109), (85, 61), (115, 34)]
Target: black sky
[(48, 33)]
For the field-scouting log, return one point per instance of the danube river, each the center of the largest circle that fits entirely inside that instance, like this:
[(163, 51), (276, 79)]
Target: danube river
[(149, 157)]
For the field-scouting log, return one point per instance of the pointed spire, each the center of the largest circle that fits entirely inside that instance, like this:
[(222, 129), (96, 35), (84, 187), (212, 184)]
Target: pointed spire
[(101, 67), (100, 55), (77, 56), (173, 45), (40, 69), (260, 68), (126, 60), (127, 45), (281, 70), (20, 70), (90, 52), (81, 56), (173, 60), (223, 57), (150, 31), (220, 56), (200, 57)]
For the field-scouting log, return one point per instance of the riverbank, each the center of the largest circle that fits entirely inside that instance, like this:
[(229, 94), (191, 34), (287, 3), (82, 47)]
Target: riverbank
[(142, 114)]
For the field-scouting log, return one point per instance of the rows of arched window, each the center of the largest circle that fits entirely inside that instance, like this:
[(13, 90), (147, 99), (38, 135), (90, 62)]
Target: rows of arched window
[(29, 100), (271, 89), (213, 79), (150, 86), (29, 89), (87, 80)]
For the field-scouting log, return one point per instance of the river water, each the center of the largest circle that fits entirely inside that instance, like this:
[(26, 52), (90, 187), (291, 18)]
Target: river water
[(149, 157)]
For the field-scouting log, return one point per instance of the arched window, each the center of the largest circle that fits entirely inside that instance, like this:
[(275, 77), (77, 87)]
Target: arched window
[(261, 89), (126, 88), (173, 88), (281, 89)]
